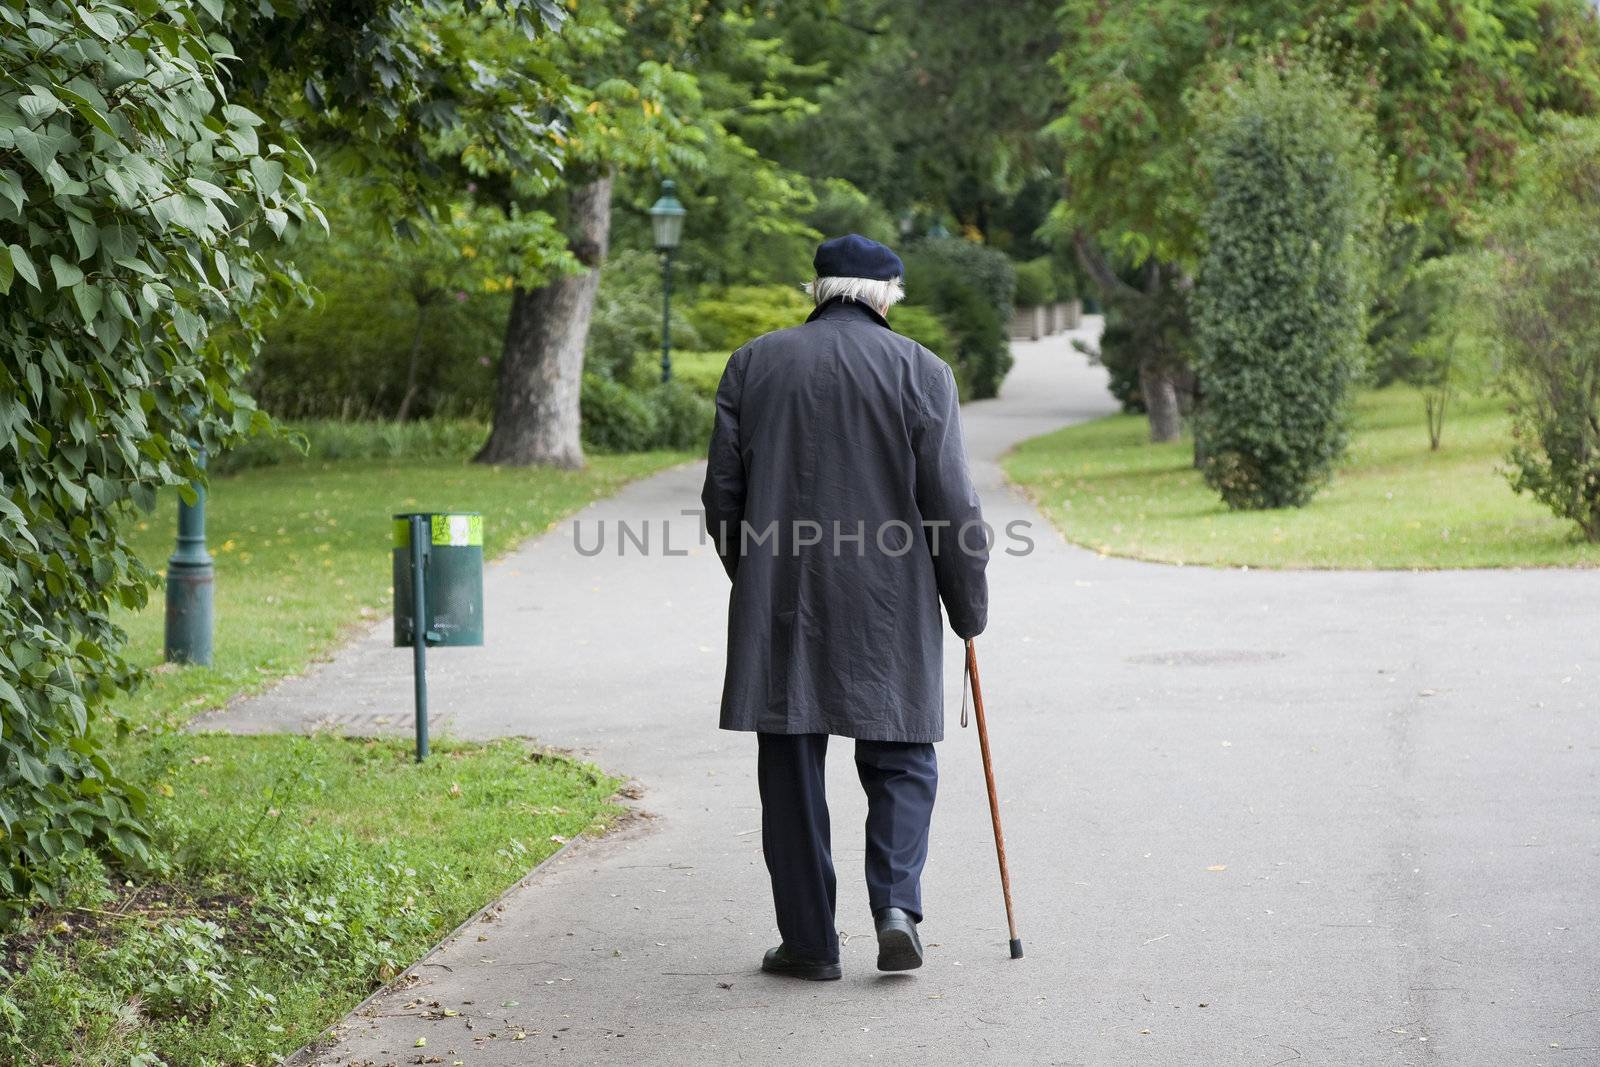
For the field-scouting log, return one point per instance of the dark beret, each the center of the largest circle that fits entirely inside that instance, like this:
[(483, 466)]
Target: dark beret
[(854, 256)]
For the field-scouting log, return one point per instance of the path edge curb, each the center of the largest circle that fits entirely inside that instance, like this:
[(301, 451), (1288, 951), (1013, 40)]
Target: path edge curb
[(306, 1055)]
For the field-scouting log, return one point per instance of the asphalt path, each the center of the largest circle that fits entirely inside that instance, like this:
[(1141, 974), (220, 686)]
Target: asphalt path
[(1254, 817)]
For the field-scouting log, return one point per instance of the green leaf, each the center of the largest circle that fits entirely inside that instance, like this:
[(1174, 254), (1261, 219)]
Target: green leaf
[(66, 274), (208, 190), (90, 300), (268, 174), (100, 24), (11, 188), (87, 111), (24, 265), (85, 234), (7, 272)]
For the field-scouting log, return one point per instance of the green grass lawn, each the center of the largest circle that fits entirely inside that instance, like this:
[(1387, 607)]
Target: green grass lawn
[(1392, 503), (291, 875), (294, 874)]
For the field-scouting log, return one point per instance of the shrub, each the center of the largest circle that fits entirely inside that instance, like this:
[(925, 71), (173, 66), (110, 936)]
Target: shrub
[(700, 371), (625, 330), (381, 303), (141, 213), (741, 312), (971, 288), (1118, 350), (683, 416), (1545, 308), (326, 440), (346, 355), (1036, 282), (615, 417), (1283, 288)]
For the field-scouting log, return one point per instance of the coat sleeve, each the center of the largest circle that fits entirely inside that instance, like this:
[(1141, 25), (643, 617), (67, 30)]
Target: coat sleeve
[(723, 495), (949, 504)]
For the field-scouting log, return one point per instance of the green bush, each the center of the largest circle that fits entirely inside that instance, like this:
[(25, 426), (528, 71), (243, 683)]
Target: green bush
[(1283, 289), (346, 356), (625, 329), (380, 304), (700, 371), (143, 213), (737, 314), (617, 418), (325, 440), (1118, 350), (683, 416), (1036, 282), (1544, 301), (971, 288)]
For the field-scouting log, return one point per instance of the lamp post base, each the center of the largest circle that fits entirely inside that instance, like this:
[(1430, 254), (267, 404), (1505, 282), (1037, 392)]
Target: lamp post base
[(189, 612)]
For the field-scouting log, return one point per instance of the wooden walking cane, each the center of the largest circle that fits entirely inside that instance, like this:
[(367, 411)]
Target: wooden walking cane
[(976, 690)]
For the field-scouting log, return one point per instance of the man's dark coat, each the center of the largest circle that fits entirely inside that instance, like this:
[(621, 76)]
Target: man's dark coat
[(838, 493)]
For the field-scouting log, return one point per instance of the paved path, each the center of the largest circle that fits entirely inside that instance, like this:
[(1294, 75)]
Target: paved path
[(1254, 817)]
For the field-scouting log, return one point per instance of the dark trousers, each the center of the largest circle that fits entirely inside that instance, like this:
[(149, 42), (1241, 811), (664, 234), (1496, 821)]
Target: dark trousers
[(900, 779)]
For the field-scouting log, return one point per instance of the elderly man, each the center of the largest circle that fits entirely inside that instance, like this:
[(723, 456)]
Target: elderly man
[(838, 495)]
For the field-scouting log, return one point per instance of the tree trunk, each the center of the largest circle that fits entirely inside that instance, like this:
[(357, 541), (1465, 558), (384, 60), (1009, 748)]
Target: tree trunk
[(1160, 401), (536, 419)]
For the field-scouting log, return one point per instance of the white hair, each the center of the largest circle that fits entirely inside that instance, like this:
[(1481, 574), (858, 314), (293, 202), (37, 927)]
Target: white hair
[(877, 294)]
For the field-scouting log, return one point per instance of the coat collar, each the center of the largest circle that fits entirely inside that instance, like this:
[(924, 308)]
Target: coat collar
[(840, 308)]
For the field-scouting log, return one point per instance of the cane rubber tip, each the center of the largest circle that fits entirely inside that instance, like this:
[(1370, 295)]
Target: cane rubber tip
[(1016, 948)]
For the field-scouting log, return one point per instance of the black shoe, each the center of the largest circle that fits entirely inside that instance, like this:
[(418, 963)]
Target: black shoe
[(899, 947), (781, 961)]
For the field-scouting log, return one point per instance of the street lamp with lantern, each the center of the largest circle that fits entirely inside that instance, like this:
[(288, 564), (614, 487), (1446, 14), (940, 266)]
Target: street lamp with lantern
[(666, 222)]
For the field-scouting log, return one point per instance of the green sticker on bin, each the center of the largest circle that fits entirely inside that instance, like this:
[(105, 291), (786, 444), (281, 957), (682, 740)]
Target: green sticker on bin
[(450, 531)]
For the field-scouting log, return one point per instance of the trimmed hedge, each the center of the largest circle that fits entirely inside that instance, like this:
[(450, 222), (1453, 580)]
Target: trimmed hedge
[(1036, 282), (1282, 294)]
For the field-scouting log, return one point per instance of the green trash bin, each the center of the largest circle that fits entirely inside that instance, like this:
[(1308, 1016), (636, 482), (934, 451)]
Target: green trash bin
[(452, 579)]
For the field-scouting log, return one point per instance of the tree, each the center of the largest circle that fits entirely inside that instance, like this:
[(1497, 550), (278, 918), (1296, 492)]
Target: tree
[(141, 214), (934, 105), (1452, 354), (623, 123), (1544, 301), (641, 113), (374, 87), (1132, 191), (1283, 286)]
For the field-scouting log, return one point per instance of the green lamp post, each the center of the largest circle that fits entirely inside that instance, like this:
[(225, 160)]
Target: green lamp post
[(189, 585), (666, 222)]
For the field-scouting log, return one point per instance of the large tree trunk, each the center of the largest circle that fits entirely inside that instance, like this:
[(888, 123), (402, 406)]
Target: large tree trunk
[(1160, 389), (541, 363)]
